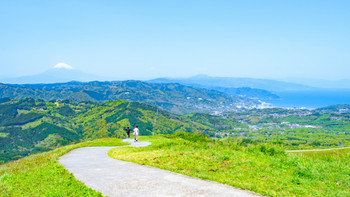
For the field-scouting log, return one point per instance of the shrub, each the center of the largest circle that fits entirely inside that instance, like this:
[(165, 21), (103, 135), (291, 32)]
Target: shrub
[(190, 137)]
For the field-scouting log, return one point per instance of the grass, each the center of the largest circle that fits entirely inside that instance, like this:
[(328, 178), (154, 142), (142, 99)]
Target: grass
[(42, 175), (264, 169)]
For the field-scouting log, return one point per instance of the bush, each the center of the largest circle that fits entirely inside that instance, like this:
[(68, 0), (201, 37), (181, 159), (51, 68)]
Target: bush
[(190, 137), (267, 149)]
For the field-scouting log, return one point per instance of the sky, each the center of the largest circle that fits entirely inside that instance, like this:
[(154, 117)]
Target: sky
[(148, 39)]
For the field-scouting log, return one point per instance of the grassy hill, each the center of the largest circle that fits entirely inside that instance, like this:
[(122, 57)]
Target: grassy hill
[(42, 175), (265, 168)]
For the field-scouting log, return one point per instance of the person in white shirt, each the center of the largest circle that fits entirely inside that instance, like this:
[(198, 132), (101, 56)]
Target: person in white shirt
[(136, 133)]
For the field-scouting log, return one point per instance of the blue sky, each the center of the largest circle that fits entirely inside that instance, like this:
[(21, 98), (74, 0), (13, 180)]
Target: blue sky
[(179, 38)]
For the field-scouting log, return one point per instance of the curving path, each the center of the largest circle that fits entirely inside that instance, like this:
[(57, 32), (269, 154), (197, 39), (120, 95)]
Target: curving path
[(112, 177)]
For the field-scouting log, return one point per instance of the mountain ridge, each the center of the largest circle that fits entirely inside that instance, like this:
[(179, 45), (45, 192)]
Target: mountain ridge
[(230, 82), (53, 75), (173, 97)]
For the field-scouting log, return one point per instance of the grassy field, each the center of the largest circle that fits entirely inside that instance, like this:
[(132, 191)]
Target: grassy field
[(42, 175), (264, 169)]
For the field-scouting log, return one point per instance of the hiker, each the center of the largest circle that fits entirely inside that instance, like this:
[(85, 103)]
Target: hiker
[(136, 133), (128, 131)]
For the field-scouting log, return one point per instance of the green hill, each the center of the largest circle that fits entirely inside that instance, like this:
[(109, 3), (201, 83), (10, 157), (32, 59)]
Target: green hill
[(264, 168), (42, 175), (29, 126), (174, 98)]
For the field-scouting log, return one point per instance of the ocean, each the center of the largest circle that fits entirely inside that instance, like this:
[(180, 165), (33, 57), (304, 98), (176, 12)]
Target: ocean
[(311, 99)]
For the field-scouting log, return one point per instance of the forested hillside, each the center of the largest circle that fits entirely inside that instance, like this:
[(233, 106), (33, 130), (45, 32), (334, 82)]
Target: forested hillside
[(174, 98), (29, 126)]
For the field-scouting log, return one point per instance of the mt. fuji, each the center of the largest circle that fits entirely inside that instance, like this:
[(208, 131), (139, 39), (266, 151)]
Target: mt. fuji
[(61, 72)]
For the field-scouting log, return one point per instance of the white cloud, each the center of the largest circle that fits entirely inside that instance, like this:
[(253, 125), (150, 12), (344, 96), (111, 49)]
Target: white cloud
[(63, 65)]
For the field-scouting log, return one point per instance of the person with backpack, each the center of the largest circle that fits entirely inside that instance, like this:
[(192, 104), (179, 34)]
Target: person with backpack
[(136, 133), (128, 131)]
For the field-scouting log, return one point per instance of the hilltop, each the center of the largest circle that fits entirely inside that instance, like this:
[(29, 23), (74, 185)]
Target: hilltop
[(263, 168)]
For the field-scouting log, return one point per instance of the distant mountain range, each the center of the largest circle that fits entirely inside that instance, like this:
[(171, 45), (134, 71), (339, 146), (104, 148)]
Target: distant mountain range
[(54, 75), (175, 98), (231, 86), (208, 82), (237, 92), (62, 73)]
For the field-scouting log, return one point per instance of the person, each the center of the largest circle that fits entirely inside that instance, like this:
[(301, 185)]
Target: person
[(136, 133), (128, 131)]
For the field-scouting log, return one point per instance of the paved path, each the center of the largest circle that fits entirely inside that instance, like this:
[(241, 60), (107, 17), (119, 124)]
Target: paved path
[(313, 150), (112, 177)]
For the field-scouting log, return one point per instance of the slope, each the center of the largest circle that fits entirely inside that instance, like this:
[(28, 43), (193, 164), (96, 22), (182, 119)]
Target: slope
[(29, 126), (41, 174)]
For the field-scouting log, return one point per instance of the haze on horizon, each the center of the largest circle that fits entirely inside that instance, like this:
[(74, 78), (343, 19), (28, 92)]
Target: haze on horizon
[(150, 39)]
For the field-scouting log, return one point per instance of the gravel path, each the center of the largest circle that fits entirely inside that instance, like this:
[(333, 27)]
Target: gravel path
[(112, 177)]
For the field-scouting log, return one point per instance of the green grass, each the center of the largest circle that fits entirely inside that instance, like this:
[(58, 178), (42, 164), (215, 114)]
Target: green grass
[(264, 169), (42, 175)]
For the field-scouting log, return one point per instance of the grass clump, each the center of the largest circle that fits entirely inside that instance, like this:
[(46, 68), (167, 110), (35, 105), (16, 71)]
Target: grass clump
[(266, 169), (42, 175)]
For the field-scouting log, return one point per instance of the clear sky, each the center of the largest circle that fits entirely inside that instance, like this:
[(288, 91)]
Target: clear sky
[(180, 38)]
